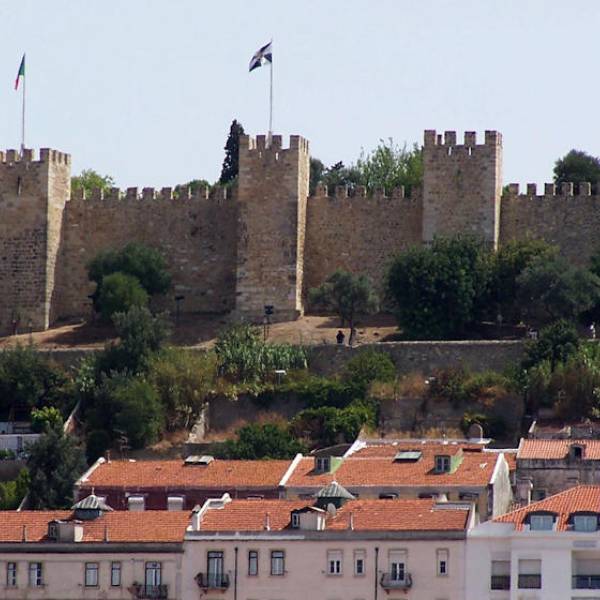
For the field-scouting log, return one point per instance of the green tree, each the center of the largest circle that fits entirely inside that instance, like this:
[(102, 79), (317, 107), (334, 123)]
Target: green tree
[(231, 165), (577, 167), (390, 166), (438, 291), (555, 344), (27, 380), (593, 314), (144, 263), (549, 290), (317, 170), (45, 418), (119, 292), (89, 180), (141, 334), (12, 492), (193, 186), (55, 462), (182, 379), (368, 366), (347, 295), (263, 441), (507, 265)]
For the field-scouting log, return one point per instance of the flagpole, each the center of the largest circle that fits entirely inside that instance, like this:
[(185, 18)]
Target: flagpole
[(271, 95), (23, 118)]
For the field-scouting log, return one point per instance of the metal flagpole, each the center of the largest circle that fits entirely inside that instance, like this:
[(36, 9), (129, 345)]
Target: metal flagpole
[(23, 113), (271, 95)]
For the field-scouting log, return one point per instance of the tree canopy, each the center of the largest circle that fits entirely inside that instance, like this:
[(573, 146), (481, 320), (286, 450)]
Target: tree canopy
[(89, 179), (231, 164), (577, 166)]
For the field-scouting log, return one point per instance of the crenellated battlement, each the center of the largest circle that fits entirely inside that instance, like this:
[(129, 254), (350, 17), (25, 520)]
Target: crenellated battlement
[(344, 192), (10, 157), (260, 143), (551, 190), (448, 139), (150, 194)]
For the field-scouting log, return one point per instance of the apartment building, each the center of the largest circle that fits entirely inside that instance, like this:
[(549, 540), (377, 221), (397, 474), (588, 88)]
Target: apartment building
[(549, 466), (549, 550), (457, 470), (91, 552), (179, 484), (334, 547)]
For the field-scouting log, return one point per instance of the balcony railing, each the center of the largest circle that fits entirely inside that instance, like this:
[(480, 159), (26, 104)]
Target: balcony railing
[(152, 592), (213, 581), (530, 582), (500, 582), (392, 583), (586, 582)]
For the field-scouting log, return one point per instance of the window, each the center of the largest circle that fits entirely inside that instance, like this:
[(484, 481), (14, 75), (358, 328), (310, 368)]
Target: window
[(359, 562), (136, 503), (576, 452), (530, 574), (322, 464), (277, 562), (500, 579), (91, 574), (253, 563), (541, 522), (442, 463), (397, 565), (295, 520), (442, 562), (115, 574), (152, 574), (216, 570), (11, 574), (334, 562), (585, 522), (175, 502), (35, 574)]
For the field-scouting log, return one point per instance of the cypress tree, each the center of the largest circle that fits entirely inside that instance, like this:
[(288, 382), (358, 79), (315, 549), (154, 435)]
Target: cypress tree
[(232, 150)]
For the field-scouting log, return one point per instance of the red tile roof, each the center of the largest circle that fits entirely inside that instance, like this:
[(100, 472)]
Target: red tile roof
[(218, 474), (475, 469), (367, 515), (556, 449), (120, 526), (389, 448), (582, 498)]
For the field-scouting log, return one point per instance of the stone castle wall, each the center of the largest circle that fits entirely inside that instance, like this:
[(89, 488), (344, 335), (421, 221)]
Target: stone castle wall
[(559, 217), (197, 236), (266, 242), (358, 233)]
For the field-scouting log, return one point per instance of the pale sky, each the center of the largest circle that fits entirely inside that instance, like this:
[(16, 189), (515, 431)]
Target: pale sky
[(145, 90)]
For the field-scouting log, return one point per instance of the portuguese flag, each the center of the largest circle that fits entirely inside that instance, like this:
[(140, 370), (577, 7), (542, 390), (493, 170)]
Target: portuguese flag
[(21, 73)]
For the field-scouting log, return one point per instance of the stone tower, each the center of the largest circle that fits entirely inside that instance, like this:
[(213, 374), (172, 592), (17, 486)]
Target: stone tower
[(32, 199), (462, 185), (272, 192)]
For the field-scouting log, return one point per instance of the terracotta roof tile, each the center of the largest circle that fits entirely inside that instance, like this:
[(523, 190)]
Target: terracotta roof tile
[(367, 515), (475, 469), (582, 498), (389, 448), (173, 473), (121, 526), (556, 449)]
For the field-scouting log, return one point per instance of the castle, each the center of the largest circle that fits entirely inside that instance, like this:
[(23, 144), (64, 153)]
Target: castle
[(264, 242)]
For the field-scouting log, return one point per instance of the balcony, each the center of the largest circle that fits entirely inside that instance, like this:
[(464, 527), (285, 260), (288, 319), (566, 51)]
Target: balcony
[(586, 582), (530, 582), (500, 582), (388, 582), (151, 592), (213, 581)]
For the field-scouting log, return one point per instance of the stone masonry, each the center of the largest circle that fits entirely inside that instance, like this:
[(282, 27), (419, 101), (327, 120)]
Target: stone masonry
[(265, 242)]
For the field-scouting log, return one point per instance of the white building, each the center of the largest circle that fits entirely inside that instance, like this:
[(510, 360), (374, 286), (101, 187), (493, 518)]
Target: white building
[(549, 550)]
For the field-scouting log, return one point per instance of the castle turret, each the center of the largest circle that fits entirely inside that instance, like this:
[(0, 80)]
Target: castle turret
[(272, 192), (32, 199), (462, 185)]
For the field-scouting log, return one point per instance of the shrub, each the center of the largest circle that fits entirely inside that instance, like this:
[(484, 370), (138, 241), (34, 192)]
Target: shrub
[(368, 366), (12, 492), (182, 380), (494, 427), (257, 441), (555, 343), (119, 292), (449, 384), (243, 356), (44, 418)]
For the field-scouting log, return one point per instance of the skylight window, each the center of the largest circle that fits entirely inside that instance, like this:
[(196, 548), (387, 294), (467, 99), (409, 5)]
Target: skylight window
[(408, 456)]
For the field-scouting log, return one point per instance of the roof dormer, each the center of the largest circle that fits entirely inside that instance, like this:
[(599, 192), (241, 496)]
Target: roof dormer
[(91, 507), (576, 452), (541, 521), (335, 494)]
